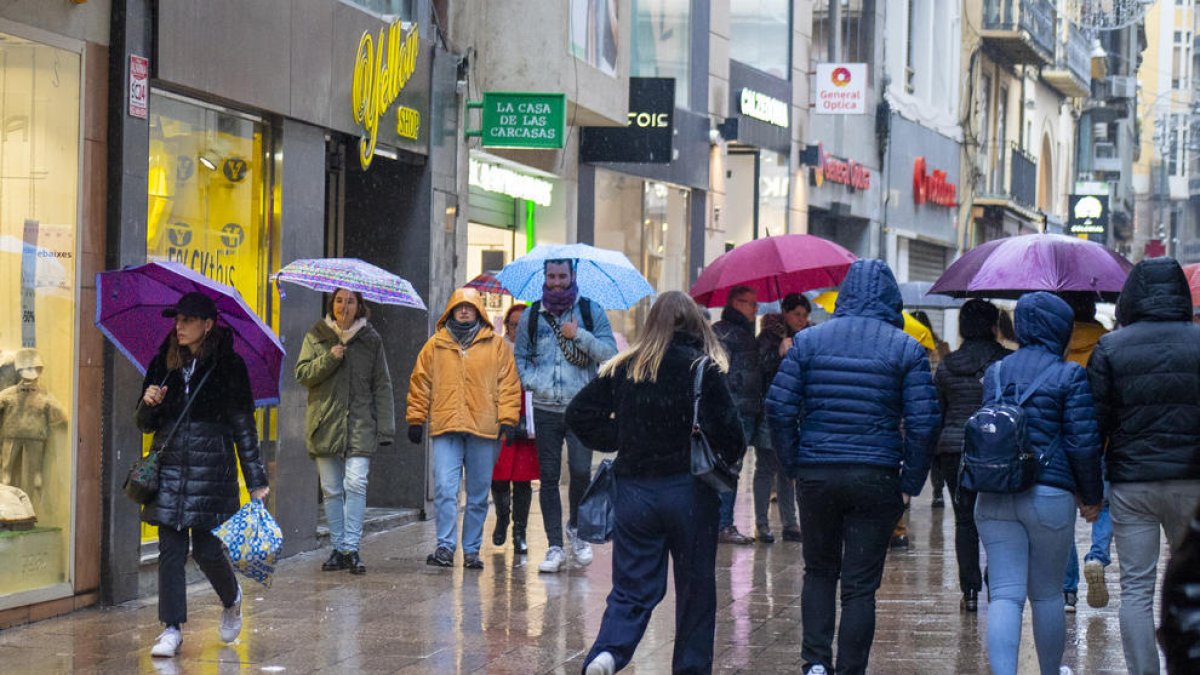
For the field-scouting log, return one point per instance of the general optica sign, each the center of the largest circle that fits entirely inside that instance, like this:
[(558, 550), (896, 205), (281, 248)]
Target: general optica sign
[(841, 88)]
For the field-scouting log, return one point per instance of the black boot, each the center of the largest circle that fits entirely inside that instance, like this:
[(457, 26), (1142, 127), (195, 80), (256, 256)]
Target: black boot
[(355, 564), (522, 497), (970, 601), (336, 561), (503, 499)]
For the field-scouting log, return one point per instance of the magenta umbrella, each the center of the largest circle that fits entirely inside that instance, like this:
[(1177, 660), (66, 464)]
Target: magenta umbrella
[(774, 266), (129, 305), (1010, 267)]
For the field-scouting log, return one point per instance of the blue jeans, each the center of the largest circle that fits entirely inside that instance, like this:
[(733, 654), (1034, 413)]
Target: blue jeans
[(1102, 534), (657, 517), (452, 453), (1026, 537), (749, 424), (344, 487)]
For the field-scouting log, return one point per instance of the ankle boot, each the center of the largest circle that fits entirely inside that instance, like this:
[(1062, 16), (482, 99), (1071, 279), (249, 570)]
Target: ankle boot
[(519, 543), (970, 601), (503, 511)]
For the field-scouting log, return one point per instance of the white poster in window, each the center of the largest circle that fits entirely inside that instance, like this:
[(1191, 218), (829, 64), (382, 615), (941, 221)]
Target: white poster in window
[(841, 89)]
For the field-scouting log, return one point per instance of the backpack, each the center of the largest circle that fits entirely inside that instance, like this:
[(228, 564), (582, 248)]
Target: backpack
[(997, 456), (585, 312)]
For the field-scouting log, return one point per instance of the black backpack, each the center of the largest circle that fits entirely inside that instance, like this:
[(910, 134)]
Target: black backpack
[(585, 312), (997, 456)]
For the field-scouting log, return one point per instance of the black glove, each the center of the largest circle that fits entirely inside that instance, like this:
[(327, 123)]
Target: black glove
[(508, 433), (416, 432)]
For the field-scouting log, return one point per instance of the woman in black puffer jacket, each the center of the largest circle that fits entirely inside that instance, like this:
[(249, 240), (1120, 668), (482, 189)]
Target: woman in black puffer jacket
[(641, 404), (198, 487), (960, 393)]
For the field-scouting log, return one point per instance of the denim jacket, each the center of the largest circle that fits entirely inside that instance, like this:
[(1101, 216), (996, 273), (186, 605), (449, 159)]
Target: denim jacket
[(551, 378)]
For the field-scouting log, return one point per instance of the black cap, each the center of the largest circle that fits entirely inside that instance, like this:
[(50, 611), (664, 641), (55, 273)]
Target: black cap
[(193, 304)]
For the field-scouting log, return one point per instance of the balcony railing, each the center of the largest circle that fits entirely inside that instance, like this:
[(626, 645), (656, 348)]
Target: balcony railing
[(1012, 174), (1079, 55), (1024, 177), (1023, 29), (1071, 73)]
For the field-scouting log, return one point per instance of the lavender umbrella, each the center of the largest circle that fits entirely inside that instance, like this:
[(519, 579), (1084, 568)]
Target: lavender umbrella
[(129, 312), (1008, 268), (329, 274)]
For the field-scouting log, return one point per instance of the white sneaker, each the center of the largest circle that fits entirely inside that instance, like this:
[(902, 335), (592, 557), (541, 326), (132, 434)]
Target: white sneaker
[(231, 620), (603, 664), (1065, 671), (555, 558), (818, 670), (167, 644), (582, 552), (1097, 595)]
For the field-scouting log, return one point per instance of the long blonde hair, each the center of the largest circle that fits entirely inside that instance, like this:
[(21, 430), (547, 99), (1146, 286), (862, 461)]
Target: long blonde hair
[(673, 312)]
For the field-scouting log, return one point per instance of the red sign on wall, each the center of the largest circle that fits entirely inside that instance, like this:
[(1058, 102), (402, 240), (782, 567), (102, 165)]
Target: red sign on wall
[(139, 86), (835, 170), (932, 187)]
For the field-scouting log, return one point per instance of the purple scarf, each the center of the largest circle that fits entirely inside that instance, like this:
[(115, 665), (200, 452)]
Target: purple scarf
[(558, 300)]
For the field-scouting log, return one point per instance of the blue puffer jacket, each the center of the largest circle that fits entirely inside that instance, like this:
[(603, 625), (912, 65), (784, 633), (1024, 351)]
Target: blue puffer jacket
[(1062, 406), (847, 386)]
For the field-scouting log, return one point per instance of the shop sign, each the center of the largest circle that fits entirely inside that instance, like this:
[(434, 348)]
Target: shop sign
[(496, 178), (1088, 216), (521, 120), (383, 65), (836, 170), (649, 128), (932, 187), (841, 88), (139, 86), (765, 108)]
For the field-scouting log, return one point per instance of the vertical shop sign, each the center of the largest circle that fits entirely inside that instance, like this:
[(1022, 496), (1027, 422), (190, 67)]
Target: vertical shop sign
[(139, 86), (841, 88), (649, 130), (383, 66)]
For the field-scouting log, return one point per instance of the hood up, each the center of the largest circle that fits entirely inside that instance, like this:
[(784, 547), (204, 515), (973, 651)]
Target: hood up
[(471, 297), (1044, 319), (870, 290), (1156, 290)]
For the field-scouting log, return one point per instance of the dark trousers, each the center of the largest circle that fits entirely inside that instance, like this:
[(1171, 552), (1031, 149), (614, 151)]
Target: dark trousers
[(209, 555), (937, 480), (514, 501), (966, 537), (550, 429), (657, 517), (846, 517)]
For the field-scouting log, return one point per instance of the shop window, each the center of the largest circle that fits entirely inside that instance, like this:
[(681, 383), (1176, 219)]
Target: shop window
[(594, 33), (39, 169), (857, 31), (761, 35), (211, 190), (661, 45)]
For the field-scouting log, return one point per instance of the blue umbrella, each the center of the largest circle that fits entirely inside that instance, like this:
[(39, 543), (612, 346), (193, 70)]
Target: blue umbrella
[(603, 275)]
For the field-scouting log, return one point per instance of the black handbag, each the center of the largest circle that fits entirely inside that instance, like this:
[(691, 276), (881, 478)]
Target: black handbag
[(707, 465), (141, 485)]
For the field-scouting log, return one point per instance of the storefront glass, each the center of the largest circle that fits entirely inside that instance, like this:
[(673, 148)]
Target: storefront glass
[(210, 184), (594, 33), (39, 173), (648, 222), (756, 195), (760, 35), (662, 42)]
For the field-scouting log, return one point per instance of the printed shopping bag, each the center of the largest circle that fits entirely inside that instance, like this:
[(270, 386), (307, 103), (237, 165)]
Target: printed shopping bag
[(253, 541)]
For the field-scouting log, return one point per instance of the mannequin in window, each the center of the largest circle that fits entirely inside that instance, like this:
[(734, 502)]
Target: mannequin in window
[(27, 414)]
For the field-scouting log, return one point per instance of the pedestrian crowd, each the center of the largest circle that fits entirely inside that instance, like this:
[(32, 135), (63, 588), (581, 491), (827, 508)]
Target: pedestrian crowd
[(846, 418)]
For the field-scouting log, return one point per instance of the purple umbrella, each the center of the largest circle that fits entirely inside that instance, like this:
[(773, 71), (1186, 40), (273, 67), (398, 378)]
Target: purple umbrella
[(1010, 267), (129, 312)]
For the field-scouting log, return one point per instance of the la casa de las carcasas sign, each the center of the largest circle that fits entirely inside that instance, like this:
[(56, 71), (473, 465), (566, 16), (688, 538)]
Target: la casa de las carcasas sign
[(382, 67), (835, 170), (932, 187)]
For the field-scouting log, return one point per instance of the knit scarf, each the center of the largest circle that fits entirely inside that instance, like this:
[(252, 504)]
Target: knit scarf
[(464, 332), (345, 336), (558, 300)]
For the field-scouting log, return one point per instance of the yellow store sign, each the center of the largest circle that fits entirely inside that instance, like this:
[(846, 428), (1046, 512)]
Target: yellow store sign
[(383, 65)]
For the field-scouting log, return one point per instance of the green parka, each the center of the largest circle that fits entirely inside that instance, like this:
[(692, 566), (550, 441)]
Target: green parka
[(350, 405)]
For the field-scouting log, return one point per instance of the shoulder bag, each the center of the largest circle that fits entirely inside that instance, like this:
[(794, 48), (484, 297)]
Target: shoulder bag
[(707, 465), (141, 485)]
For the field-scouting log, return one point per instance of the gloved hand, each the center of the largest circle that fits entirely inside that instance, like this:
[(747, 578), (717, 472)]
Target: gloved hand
[(508, 433), (416, 432)]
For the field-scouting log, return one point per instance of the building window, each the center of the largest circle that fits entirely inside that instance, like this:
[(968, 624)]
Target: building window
[(594, 37), (39, 171), (910, 51), (1173, 147), (1179, 61), (856, 29), (661, 45), (399, 8), (761, 35)]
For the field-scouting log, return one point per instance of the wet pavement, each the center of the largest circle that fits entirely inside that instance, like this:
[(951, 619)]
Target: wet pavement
[(406, 617)]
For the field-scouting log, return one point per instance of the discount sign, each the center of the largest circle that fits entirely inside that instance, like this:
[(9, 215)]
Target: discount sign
[(841, 88)]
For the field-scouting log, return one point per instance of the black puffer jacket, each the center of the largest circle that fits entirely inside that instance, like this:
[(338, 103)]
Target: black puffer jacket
[(959, 382), (1180, 632), (736, 334), (651, 422), (1145, 379), (198, 479)]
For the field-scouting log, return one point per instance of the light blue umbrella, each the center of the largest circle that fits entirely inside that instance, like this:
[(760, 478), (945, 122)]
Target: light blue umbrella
[(604, 276)]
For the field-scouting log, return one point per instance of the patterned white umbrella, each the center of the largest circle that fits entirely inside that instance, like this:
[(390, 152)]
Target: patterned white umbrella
[(603, 275)]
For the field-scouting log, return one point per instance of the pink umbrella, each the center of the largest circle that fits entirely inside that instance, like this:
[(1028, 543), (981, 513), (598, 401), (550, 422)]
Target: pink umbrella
[(1192, 272), (487, 283), (774, 266)]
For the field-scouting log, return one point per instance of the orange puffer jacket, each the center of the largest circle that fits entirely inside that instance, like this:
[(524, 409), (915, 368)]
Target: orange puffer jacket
[(472, 390)]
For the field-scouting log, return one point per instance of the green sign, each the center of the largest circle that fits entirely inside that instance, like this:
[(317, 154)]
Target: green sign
[(521, 120)]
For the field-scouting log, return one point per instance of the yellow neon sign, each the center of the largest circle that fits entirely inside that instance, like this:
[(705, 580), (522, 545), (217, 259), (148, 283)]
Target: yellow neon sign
[(382, 67)]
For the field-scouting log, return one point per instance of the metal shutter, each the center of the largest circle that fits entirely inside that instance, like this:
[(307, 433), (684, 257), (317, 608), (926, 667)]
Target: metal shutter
[(926, 261)]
